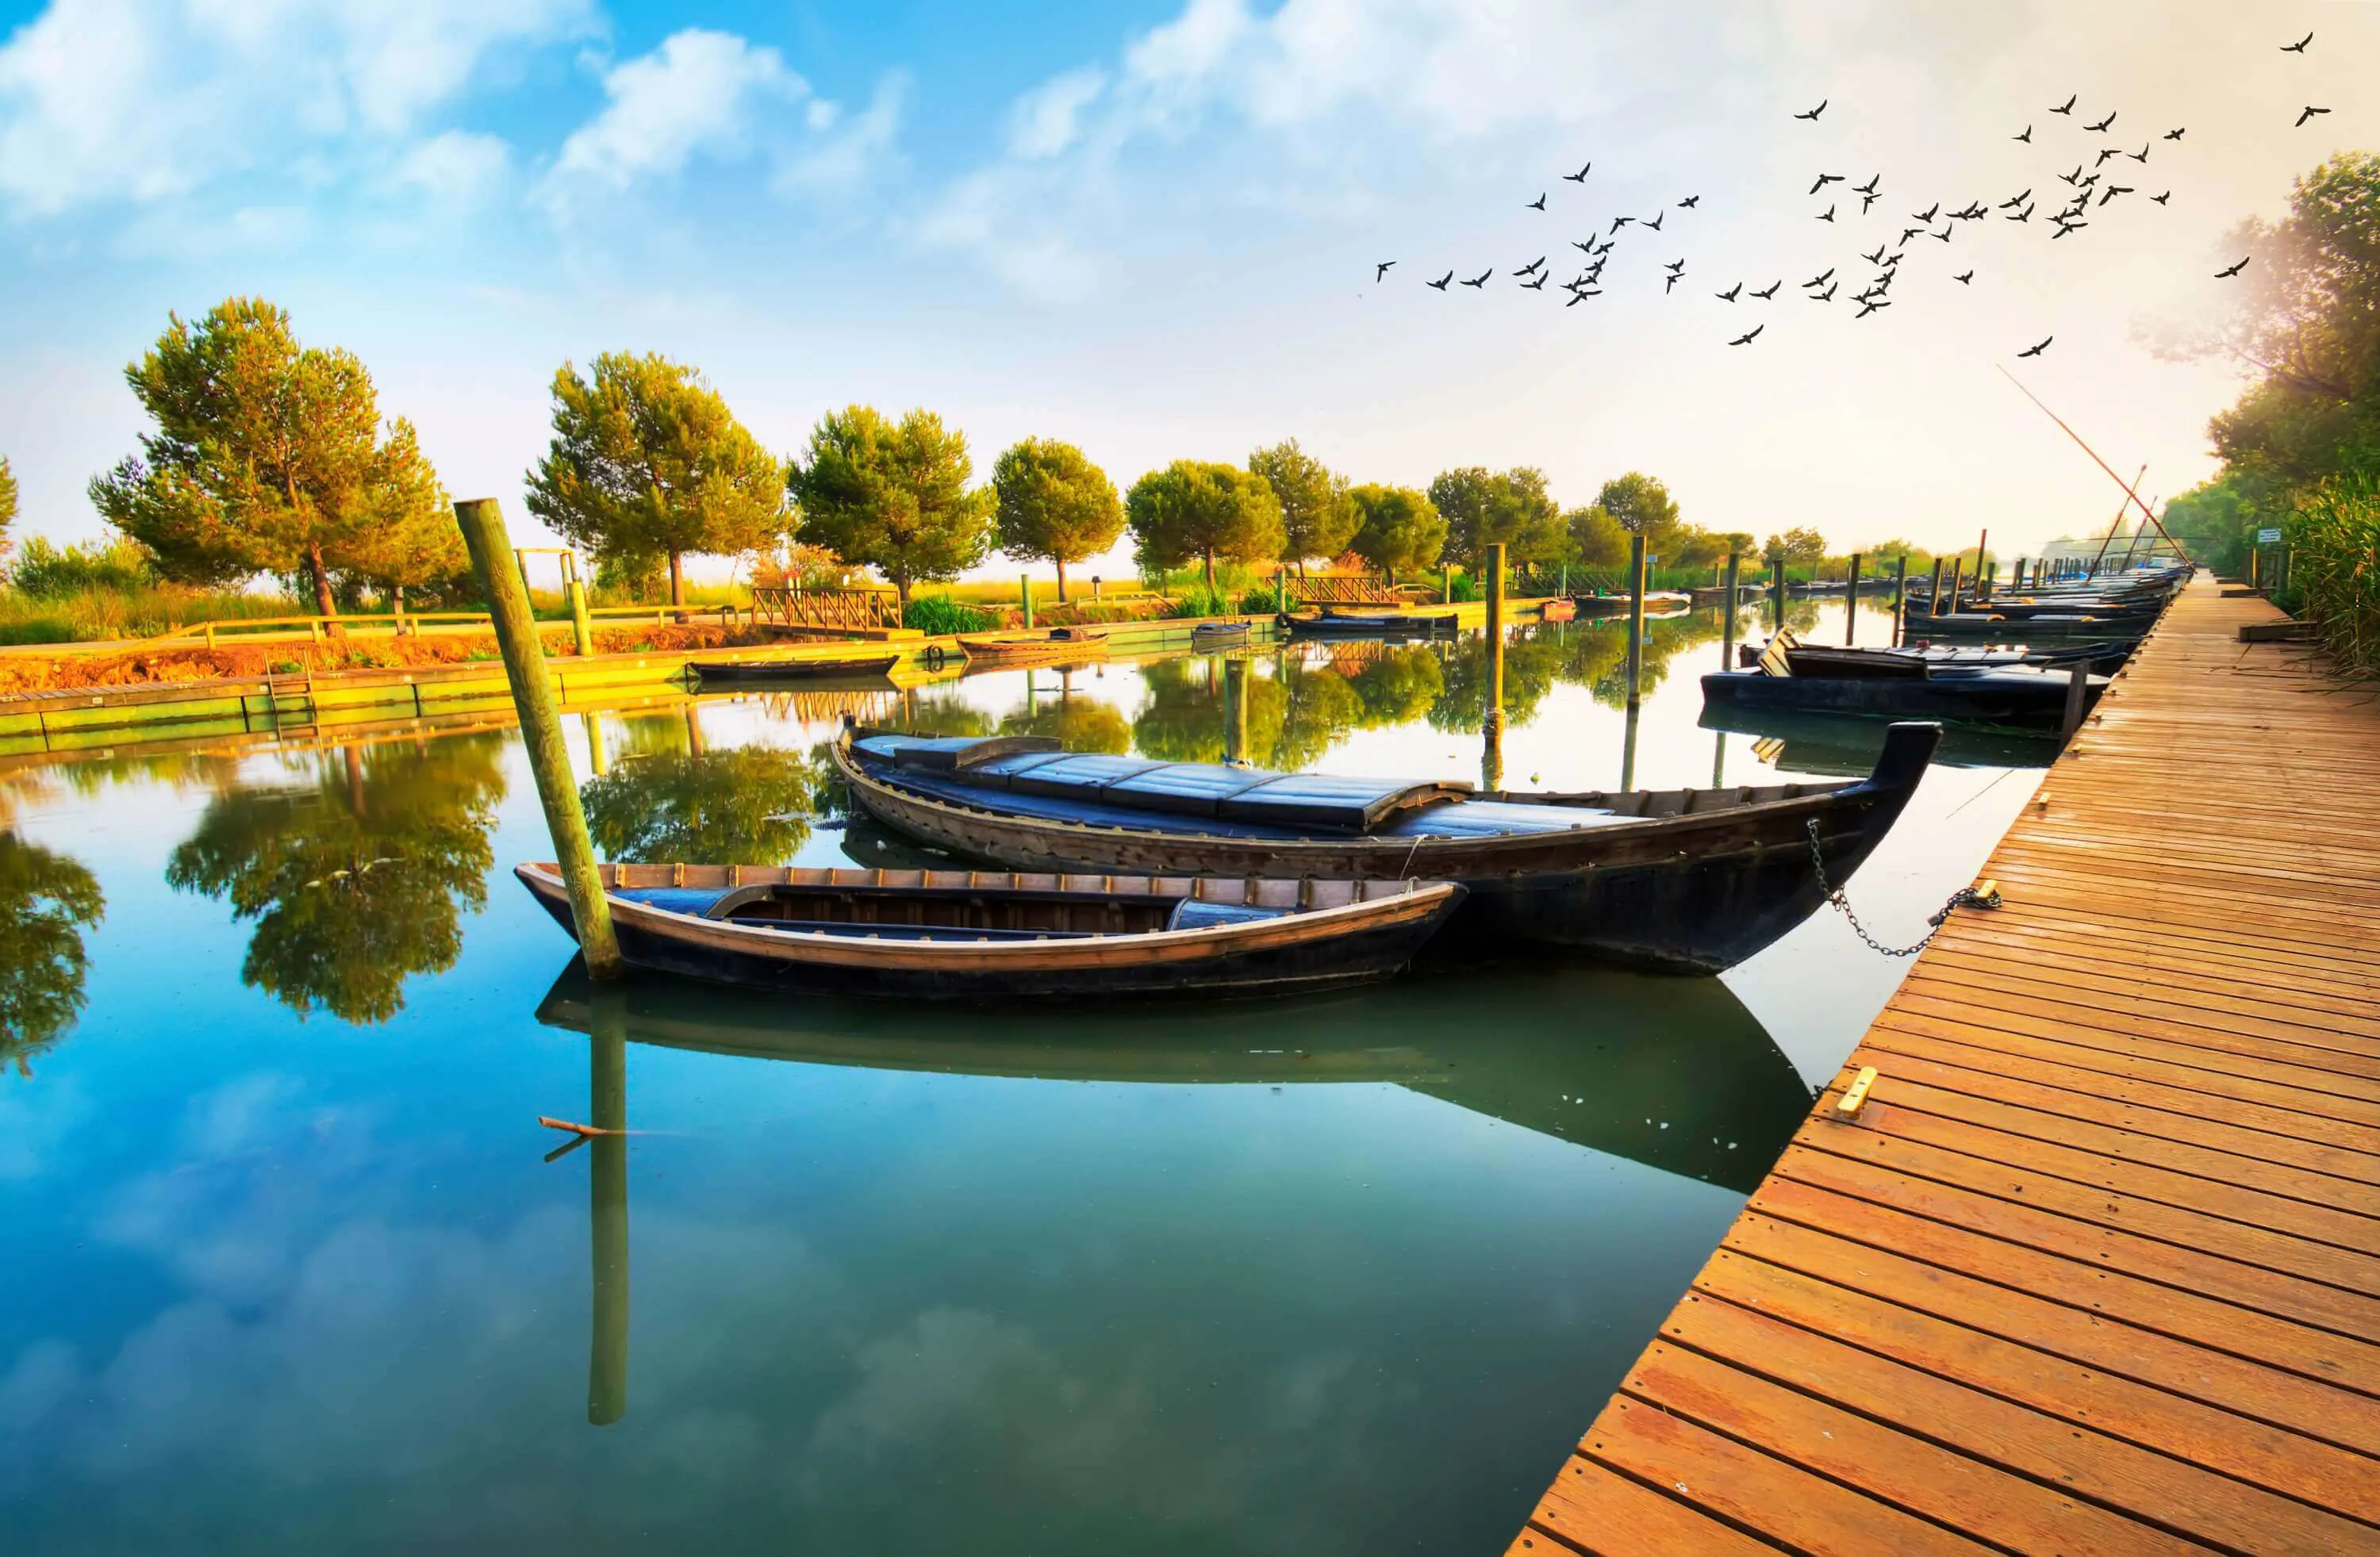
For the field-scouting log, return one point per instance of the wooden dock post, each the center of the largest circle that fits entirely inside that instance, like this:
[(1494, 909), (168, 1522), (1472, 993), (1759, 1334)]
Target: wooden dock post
[(482, 524), (1235, 701), (1636, 617), (2078, 689), (582, 628), (1851, 605), (1496, 634), (607, 1206), (597, 760), (1025, 587), (1958, 572), (1446, 591), (1727, 613), (1777, 593), (1900, 601)]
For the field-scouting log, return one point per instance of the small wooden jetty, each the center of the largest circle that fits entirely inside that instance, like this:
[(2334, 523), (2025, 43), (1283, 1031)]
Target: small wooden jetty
[(2097, 1265)]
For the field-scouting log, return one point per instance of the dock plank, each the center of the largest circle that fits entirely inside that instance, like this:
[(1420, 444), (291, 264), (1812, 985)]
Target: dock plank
[(2097, 1267)]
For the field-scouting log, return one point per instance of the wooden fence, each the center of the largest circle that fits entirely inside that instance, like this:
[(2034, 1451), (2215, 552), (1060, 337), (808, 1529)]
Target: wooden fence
[(1342, 590), (851, 610)]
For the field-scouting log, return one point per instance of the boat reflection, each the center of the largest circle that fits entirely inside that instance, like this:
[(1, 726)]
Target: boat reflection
[(1670, 1072), (1845, 747)]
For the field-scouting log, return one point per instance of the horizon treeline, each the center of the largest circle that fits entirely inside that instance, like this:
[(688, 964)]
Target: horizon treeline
[(270, 456)]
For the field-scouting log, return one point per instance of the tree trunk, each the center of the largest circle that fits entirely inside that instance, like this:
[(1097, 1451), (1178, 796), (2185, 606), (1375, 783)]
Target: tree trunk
[(1062, 581), (323, 605), (1210, 570), (677, 578), (900, 587)]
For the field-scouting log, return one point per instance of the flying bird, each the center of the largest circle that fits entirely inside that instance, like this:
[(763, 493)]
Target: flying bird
[(1538, 204), (1876, 259), (2297, 47), (1745, 339), (2105, 153), (1580, 176), (2025, 215), (1482, 279), (1867, 201), (1618, 222), (1868, 188), (1827, 216), (1965, 280), (1533, 267), (1539, 284), (1909, 233), (2162, 198), (2173, 134), (2233, 270), (1441, 281), (1674, 266), (2101, 127), (2074, 177), (1870, 307), (2036, 351), (1773, 286), (1673, 279), (2113, 190), (2065, 227), (1583, 248), (1580, 295), (1690, 202), (1824, 179), (2013, 203), (1927, 214), (1825, 297), (2309, 113), (1821, 279), (2026, 136), (1655, 224), (1813, 112), (1730, 295), (2142, 154), (2066, 107)]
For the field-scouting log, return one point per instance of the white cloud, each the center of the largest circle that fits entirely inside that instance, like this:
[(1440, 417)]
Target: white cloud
[(455, 168), (115, 100), (1043, 122), (698, 94), (845, 159)]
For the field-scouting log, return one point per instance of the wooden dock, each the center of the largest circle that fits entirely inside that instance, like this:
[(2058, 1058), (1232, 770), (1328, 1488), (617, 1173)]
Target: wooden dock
[(2097, 1266)]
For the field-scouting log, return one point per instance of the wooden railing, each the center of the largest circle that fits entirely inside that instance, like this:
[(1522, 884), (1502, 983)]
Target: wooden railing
[(858, 610), (1342, 590)]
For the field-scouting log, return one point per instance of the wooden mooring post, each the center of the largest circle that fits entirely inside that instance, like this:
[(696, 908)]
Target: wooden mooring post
[(1727, 613), (2078, 697), (1636, 617), (482, 524), (607, 1206), (1851, 605), (1496, 634)]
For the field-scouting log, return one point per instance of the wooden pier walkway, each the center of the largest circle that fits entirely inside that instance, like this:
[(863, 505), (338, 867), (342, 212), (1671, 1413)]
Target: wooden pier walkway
[(2097, 1268)]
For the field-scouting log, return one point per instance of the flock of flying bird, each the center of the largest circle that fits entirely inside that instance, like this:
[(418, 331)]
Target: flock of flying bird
[(2093, 190)]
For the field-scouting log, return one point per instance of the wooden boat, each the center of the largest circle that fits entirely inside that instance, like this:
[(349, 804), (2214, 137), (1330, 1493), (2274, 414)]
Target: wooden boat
[(1334, 623), (1558, 610), (1695, 879), (1211, 635), (1601, 603), (1845, 745), (753, 671), (2007, 696), (975, 935), (2104, 656), (997, 650)]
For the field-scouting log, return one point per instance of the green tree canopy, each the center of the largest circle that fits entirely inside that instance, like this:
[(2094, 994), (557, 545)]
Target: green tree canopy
[(47, 900), (1596, 538), (1641, 505), (1799, 546), (1398, 529), (1197, 507), (893, 496), (1051, 501), (267, 457), (355, 879), (409, 539), (7, 503), (647, 462), (1318, 518), (1482, 508), (749, 806)]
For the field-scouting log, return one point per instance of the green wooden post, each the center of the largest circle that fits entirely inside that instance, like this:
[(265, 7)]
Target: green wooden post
[(1496, 634), (1900, 601), (582, 628), (1446, 591), (1727, 610), (607, 1206), (1024, 587), (482, 524), (1851, 605), (1636, 617)]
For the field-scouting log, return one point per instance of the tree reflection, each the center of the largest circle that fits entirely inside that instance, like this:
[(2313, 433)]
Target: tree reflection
[(1531, 662), (750, 806), (354, 880), (47, 900), (1079, 724), (1296, 714)]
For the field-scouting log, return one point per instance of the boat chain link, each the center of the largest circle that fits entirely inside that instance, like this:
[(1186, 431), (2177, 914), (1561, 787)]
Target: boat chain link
[(1966, 897)]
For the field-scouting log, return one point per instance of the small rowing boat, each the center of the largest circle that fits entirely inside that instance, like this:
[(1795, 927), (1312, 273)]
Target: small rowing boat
[(1209, 636), (992, 651), (1334, 623), (769, 671), (962, 933)]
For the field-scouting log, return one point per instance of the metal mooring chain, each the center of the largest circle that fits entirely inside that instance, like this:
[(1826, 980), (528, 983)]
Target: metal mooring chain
[(1966, 897)]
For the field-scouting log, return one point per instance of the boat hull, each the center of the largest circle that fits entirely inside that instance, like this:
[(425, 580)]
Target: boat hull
[(1294, 953), (764, 672), (1695, 892), (2012, 698)]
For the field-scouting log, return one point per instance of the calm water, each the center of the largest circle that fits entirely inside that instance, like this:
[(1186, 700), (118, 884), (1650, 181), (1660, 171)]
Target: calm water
[(288, 1267)]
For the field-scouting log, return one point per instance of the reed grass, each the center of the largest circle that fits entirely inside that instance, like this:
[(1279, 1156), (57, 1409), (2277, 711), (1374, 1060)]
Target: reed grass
[(2333, 577)]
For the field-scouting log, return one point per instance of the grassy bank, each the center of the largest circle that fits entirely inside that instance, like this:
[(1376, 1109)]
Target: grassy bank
[(2332, 576)]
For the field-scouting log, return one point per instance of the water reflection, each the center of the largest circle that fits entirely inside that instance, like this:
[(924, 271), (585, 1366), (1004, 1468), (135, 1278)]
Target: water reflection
[(749, 806), (1672, 1073), (1080, 724), (355, 879), (46, 902)]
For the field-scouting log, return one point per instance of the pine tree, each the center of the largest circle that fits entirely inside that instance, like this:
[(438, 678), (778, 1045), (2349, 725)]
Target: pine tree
[(893, 496), (1197, 508), (1054, 502), (1316, 517)]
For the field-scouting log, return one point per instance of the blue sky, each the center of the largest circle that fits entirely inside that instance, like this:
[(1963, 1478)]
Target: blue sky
[(1149, 227)]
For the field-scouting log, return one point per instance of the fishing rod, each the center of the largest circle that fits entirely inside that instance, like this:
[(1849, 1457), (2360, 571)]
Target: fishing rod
[(2130, 492)]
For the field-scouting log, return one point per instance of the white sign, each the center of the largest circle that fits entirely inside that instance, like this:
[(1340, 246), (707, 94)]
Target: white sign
[(2268, 537)]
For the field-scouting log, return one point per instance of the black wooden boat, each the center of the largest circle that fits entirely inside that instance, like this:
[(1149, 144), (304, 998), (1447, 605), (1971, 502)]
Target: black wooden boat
[(771, 672), (1845, 745), (1332, 623), (1987, 626), (2007, 696), (1695, 879), (974, 935), (2104, 656)]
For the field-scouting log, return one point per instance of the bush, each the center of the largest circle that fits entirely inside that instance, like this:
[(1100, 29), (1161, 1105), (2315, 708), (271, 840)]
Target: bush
[(1199, 600), (1466, 588), (938, 615), (2333, 535), (1259, 602), (49, 573)]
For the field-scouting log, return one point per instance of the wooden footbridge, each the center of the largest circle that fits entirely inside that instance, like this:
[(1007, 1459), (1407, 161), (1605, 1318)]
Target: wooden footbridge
[(2095, 1267)]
